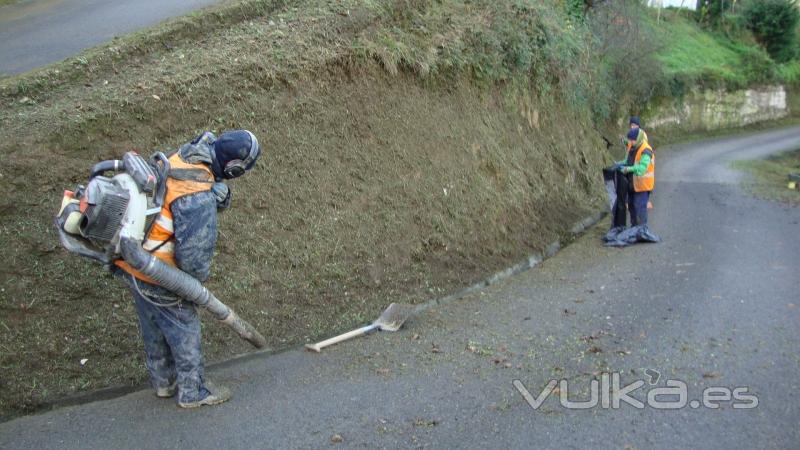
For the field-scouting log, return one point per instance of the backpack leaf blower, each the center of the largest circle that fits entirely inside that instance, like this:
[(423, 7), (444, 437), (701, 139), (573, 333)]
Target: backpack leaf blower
[(107, 220)]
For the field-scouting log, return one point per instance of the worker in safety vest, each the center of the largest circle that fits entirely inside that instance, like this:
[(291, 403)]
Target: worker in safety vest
[(641, 165), (635, 123), (183, 235)]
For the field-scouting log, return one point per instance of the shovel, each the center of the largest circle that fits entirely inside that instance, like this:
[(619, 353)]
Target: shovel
[(391, 320)]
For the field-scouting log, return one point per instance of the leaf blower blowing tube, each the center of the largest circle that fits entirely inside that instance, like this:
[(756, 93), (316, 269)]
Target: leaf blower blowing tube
[(188, 288)]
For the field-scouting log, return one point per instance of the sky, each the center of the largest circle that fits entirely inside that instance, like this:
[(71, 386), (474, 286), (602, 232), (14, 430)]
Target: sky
[(686, 3)]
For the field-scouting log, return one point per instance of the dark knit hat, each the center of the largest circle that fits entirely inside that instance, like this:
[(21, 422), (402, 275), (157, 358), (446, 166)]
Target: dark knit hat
[(235, 152), (634, 121)]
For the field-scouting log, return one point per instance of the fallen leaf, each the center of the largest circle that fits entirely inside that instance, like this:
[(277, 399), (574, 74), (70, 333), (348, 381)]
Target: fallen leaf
[(383, 371), (156, 97), (595, 349), (435, 349), (710, 375), (84, 360), (420, 422), (337, 439), (415, 337)]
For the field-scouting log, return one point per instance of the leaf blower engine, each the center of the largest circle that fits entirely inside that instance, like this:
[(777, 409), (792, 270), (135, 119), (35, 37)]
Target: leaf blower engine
[(107, 220)]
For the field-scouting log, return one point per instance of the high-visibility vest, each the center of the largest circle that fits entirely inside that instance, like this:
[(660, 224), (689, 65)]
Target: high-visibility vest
[(646, 182), (185, 179)]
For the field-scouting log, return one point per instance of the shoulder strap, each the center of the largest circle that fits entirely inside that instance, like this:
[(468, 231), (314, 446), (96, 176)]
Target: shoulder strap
[(198, 175)]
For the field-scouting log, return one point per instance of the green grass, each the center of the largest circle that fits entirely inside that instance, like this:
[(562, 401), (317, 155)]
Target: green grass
[(769, 177), (789, 73), (694, 55)]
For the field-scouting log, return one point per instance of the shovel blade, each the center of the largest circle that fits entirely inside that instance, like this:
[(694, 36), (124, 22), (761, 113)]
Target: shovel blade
[(393, 317)]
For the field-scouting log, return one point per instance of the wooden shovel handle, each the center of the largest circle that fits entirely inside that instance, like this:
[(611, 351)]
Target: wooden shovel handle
[(342, 337)]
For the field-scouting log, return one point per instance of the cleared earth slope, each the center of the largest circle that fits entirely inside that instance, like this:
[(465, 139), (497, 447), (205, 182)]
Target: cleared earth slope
[(379, 184)]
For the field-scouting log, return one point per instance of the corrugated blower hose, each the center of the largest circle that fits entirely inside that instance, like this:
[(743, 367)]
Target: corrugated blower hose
[(106, 220)]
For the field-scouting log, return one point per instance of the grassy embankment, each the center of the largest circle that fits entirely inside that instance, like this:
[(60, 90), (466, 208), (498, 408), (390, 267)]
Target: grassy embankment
[(694, 58), (411, 148), (769, 177)]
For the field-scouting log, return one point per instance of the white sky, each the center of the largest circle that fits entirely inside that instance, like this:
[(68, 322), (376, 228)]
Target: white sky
[(686, 3)]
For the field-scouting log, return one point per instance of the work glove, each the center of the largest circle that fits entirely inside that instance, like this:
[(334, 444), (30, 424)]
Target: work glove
[(222, 193)]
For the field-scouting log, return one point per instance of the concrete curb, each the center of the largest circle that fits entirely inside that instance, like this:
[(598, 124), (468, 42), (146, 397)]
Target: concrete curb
[(523, 266)]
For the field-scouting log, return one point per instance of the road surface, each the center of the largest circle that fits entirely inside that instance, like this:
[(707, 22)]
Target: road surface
[(34, 33), (715, 305)]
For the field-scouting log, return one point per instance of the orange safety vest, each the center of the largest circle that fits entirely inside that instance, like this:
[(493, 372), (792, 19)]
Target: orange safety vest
[(646, 182), (159, 241)]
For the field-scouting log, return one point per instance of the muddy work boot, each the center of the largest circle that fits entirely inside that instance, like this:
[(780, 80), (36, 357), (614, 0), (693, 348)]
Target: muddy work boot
[(217, 395), (167, 392)]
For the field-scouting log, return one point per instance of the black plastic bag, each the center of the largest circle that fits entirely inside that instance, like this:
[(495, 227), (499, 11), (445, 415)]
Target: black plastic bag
[(622, 237), (617, 186)]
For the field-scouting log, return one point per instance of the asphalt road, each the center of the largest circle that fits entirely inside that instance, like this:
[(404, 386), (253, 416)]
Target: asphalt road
[(715, 305), (34, 33)]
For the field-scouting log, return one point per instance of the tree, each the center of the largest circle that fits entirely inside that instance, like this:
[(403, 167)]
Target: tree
[(774, 24), (711, 12)]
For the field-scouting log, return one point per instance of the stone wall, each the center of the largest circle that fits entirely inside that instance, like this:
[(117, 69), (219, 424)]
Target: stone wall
[(714, 109)]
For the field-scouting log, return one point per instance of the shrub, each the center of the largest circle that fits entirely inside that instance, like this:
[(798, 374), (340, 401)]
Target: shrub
[(774, 24), (711, 13), (624, 46), (789, 72)]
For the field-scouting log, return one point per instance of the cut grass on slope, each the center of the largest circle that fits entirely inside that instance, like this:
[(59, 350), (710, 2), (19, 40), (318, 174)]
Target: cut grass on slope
[(375, 186)]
